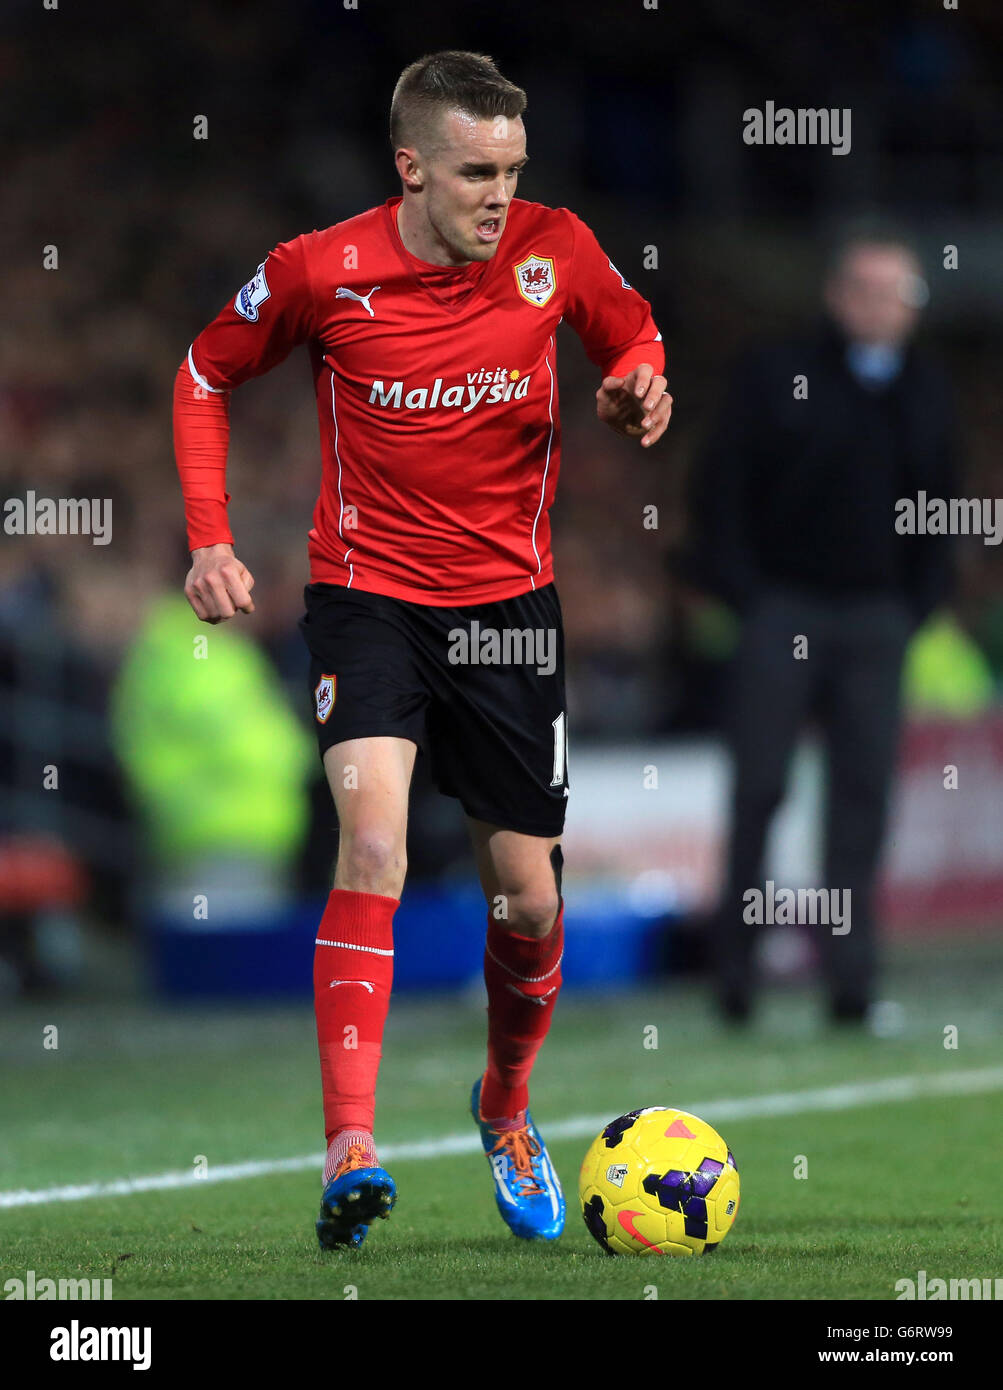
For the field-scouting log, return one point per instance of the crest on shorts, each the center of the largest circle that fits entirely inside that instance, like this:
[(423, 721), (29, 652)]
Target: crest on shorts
[(536, 279), (324, 694)]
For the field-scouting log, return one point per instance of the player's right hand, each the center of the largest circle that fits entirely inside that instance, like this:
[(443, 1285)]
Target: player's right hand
[(218, 584)]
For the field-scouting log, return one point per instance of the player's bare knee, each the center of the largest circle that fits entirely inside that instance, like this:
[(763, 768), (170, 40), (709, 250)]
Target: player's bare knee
[(531, 913), (371, 861)]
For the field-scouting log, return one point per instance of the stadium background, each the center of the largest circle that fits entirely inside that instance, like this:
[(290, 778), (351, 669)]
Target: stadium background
[(634, 121)]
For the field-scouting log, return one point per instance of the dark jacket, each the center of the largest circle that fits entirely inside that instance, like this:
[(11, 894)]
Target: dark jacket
[(802, 492)]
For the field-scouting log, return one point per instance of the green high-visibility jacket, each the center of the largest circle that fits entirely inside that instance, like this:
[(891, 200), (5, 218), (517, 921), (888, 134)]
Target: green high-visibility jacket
[(946, 673), (216, 759)]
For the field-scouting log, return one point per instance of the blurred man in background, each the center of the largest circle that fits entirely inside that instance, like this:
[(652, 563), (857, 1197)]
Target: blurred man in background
[(794, 512)]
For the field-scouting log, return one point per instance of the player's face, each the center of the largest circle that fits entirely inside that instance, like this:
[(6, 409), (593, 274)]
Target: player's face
[(470, 182), (876, 295)]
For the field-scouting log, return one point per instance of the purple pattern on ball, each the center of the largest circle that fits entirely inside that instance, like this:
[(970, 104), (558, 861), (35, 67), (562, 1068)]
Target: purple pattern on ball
[(614, 1132), (706, 1176)]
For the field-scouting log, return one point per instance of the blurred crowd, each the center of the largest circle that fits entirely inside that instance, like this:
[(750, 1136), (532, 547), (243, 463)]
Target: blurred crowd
[(146, 231)]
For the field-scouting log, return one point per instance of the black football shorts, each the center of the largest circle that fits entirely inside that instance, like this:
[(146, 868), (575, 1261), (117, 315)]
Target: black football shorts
[(478, 688)]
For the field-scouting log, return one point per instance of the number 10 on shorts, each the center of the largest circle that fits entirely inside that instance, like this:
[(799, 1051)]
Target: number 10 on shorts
[(560, 727)]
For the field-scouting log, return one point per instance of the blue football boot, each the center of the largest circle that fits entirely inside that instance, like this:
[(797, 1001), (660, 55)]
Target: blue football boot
[(356, 1195), (527, 1190)]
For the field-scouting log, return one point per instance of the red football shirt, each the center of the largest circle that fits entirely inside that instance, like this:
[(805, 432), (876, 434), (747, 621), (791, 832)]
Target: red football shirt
[(436, 396)]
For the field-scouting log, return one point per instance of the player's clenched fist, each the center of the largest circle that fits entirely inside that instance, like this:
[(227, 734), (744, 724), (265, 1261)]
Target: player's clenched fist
[(636, 405), (218, 584)]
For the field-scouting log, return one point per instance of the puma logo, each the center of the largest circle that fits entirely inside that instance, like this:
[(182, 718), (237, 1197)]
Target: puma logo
[(342, 293), (531, 998)]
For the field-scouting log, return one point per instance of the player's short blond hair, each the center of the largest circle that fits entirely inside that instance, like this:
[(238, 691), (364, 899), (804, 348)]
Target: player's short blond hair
[(451, 80)]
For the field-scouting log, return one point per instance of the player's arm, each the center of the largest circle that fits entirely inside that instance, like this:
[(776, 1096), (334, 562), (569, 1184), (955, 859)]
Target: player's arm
[(615, 325), (253, 332)]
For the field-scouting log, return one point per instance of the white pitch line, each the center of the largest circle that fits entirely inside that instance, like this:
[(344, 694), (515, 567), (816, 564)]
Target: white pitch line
[(847, 1097)]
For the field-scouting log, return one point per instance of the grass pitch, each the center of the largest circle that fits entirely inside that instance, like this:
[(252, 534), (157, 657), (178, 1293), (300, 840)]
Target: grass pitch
[(891, 1188)]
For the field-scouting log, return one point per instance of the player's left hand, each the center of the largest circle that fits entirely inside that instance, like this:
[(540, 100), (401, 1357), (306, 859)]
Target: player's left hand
[(636, 405)]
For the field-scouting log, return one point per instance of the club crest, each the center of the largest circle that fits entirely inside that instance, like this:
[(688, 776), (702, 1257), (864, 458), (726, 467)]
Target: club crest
[(324, 695), (536, 279)]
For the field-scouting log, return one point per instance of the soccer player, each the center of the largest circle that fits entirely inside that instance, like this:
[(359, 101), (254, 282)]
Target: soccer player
[(432, 619)]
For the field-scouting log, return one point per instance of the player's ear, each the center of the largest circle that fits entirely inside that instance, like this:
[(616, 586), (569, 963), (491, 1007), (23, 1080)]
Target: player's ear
[(408, 169)]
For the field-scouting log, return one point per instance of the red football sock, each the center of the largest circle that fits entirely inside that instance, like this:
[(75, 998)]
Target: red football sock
[(523, 976), (341, 1145), (353, 968)]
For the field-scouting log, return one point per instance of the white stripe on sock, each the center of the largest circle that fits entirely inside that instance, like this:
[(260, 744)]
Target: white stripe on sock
[(350, 946), (527, 979)]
